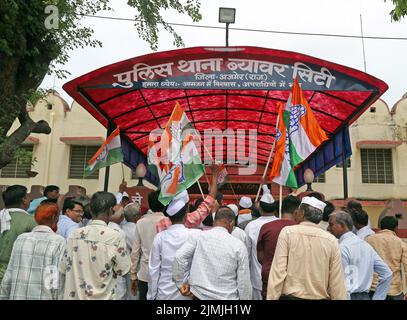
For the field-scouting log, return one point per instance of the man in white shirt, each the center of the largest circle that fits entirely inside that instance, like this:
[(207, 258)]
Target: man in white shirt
[(145, 233), (218, 264), (359, 260), (166, 243), (268, 207), (237, 232), (72, 213), (132, 213)]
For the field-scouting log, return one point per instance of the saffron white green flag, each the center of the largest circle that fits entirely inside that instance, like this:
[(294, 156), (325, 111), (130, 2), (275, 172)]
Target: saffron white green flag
[(109, 153), (179, 164), (298, 135), (281, 171)]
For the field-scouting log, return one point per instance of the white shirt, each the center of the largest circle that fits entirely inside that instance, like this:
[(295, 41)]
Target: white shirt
[(219, 266), (129, 229), (121, 293), (252, 231), (241, 235), (359, 261), (362, 233), (65, 226), (162, 254)]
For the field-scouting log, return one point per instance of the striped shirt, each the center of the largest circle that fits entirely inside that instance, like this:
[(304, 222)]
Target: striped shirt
[(32, 273)]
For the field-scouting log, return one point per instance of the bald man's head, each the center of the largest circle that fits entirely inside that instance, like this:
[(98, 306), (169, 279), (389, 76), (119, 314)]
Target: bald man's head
[(225, 217)]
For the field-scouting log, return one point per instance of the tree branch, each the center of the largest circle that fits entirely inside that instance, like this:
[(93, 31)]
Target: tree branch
[(10, 144), (41, 126)]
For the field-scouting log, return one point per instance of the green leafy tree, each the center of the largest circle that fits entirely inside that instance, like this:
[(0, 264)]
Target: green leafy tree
[(37, 35), (400, 9)]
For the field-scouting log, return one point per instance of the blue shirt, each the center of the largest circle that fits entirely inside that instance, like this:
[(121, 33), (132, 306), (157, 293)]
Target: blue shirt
[(34, 204), (359, 261), (66, 226)]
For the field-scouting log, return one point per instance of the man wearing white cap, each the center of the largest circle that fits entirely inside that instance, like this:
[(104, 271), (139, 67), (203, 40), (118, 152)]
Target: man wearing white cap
[(307, 262), (194, 219), (166, 243), (267, 209), (245, 212), (237, 232)]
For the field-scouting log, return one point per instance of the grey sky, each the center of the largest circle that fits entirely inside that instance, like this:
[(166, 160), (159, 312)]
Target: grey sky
[(385, 59)]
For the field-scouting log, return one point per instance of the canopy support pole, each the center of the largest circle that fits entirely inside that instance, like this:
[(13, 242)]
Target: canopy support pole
[(344, 166)]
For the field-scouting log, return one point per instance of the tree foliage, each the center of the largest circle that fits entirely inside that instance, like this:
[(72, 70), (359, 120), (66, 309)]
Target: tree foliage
[(31, 46), (399, 11)]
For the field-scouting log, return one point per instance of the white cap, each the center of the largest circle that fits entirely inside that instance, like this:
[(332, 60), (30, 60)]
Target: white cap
[(314, 202), (177, 203), (245, 202), (267, 198), (244, 217), (234, 208)]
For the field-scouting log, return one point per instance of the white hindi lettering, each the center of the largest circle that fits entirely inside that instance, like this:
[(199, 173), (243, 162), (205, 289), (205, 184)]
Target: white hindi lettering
[(142, 71), (243, 64), (324, 75), (254, 66), (322, 78), (199, 65), (124, 80), (305, 72), (137, 198)]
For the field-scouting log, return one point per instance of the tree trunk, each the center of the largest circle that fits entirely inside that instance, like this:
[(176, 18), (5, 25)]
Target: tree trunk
[(14, 93)]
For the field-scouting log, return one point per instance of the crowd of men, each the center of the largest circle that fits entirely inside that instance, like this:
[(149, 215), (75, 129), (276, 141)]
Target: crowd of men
[(106, 248)]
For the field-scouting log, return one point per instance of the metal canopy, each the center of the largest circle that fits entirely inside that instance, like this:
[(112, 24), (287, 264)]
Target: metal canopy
[(221, 88)]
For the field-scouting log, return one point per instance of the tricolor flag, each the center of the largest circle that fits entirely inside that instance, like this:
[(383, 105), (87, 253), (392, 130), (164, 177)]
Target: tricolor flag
[(281, 171), (179, 164), (305, 133), (298, 135), (109, 153)]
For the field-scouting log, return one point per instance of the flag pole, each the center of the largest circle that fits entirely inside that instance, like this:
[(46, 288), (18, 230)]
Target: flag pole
[(200, 189), (122, 170), (280, 203), (107, 169), (265, 169)]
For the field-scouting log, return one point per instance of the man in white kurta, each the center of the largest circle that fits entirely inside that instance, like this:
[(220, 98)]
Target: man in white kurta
[(162, 254), (267, 209)]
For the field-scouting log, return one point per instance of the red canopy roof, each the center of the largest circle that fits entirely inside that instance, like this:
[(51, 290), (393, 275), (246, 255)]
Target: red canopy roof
[(233, 87)]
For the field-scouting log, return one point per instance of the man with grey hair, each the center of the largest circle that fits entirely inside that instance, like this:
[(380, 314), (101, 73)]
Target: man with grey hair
[(359, 260), (132, 213), (217, 262), (307, 262)]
